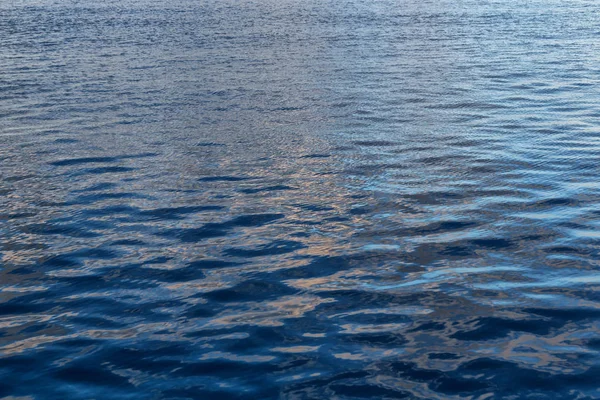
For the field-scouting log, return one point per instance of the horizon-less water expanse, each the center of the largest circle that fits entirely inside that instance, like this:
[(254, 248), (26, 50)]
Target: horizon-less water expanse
[(319, 199)]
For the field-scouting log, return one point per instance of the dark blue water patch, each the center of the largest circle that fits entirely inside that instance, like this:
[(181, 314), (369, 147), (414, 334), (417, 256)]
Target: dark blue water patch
[(262, 337), (443, 159), (425, 253), (22, 271), (320, 266), (251, 290), (314, 207), (319, 385), (210, 144), (436, 197), (443, 356), (21, 365), (27, 304), (83, 254), (145, 274), (273, 188), (373, 318), (17, 216), (382, 340), (66, 141), (428, 326), (451, 251), (366, 391), (375, 143), (211, 264), (555, 202), (317, 156), (105, 170), (168, 213), (97, 197), (593, 344), (84, 160), (96, 322), (564, 250), (224, 179), (193, 389), (271, 249), (211, 230), (99, 159), (491, 243), (413, 373), (86, 287), (78, 372), (566, 315), (194, 235), (71, 230), (360, 210), (98, 187), (338, 218), (494, 328), (437, 227), (6, 191), (454, 386), (17, 178), (127, 242), (369, 169), (61, 260), (513, 379), (201, 311), (108, 210), (223, 369)]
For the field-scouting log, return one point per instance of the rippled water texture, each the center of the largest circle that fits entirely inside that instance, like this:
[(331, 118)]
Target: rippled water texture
[(320, 199)]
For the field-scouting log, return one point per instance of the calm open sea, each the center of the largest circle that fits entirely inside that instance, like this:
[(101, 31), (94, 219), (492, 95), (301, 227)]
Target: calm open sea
[(285, 199)]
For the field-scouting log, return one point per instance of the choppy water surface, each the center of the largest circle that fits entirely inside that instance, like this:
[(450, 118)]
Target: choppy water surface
[(321, 199)]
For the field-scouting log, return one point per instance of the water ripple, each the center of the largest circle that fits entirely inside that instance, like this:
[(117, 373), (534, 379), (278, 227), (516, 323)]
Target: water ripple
[(312, 200)]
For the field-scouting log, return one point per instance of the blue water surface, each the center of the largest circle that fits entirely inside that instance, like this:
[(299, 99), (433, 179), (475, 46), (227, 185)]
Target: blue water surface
[(317, 199)]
